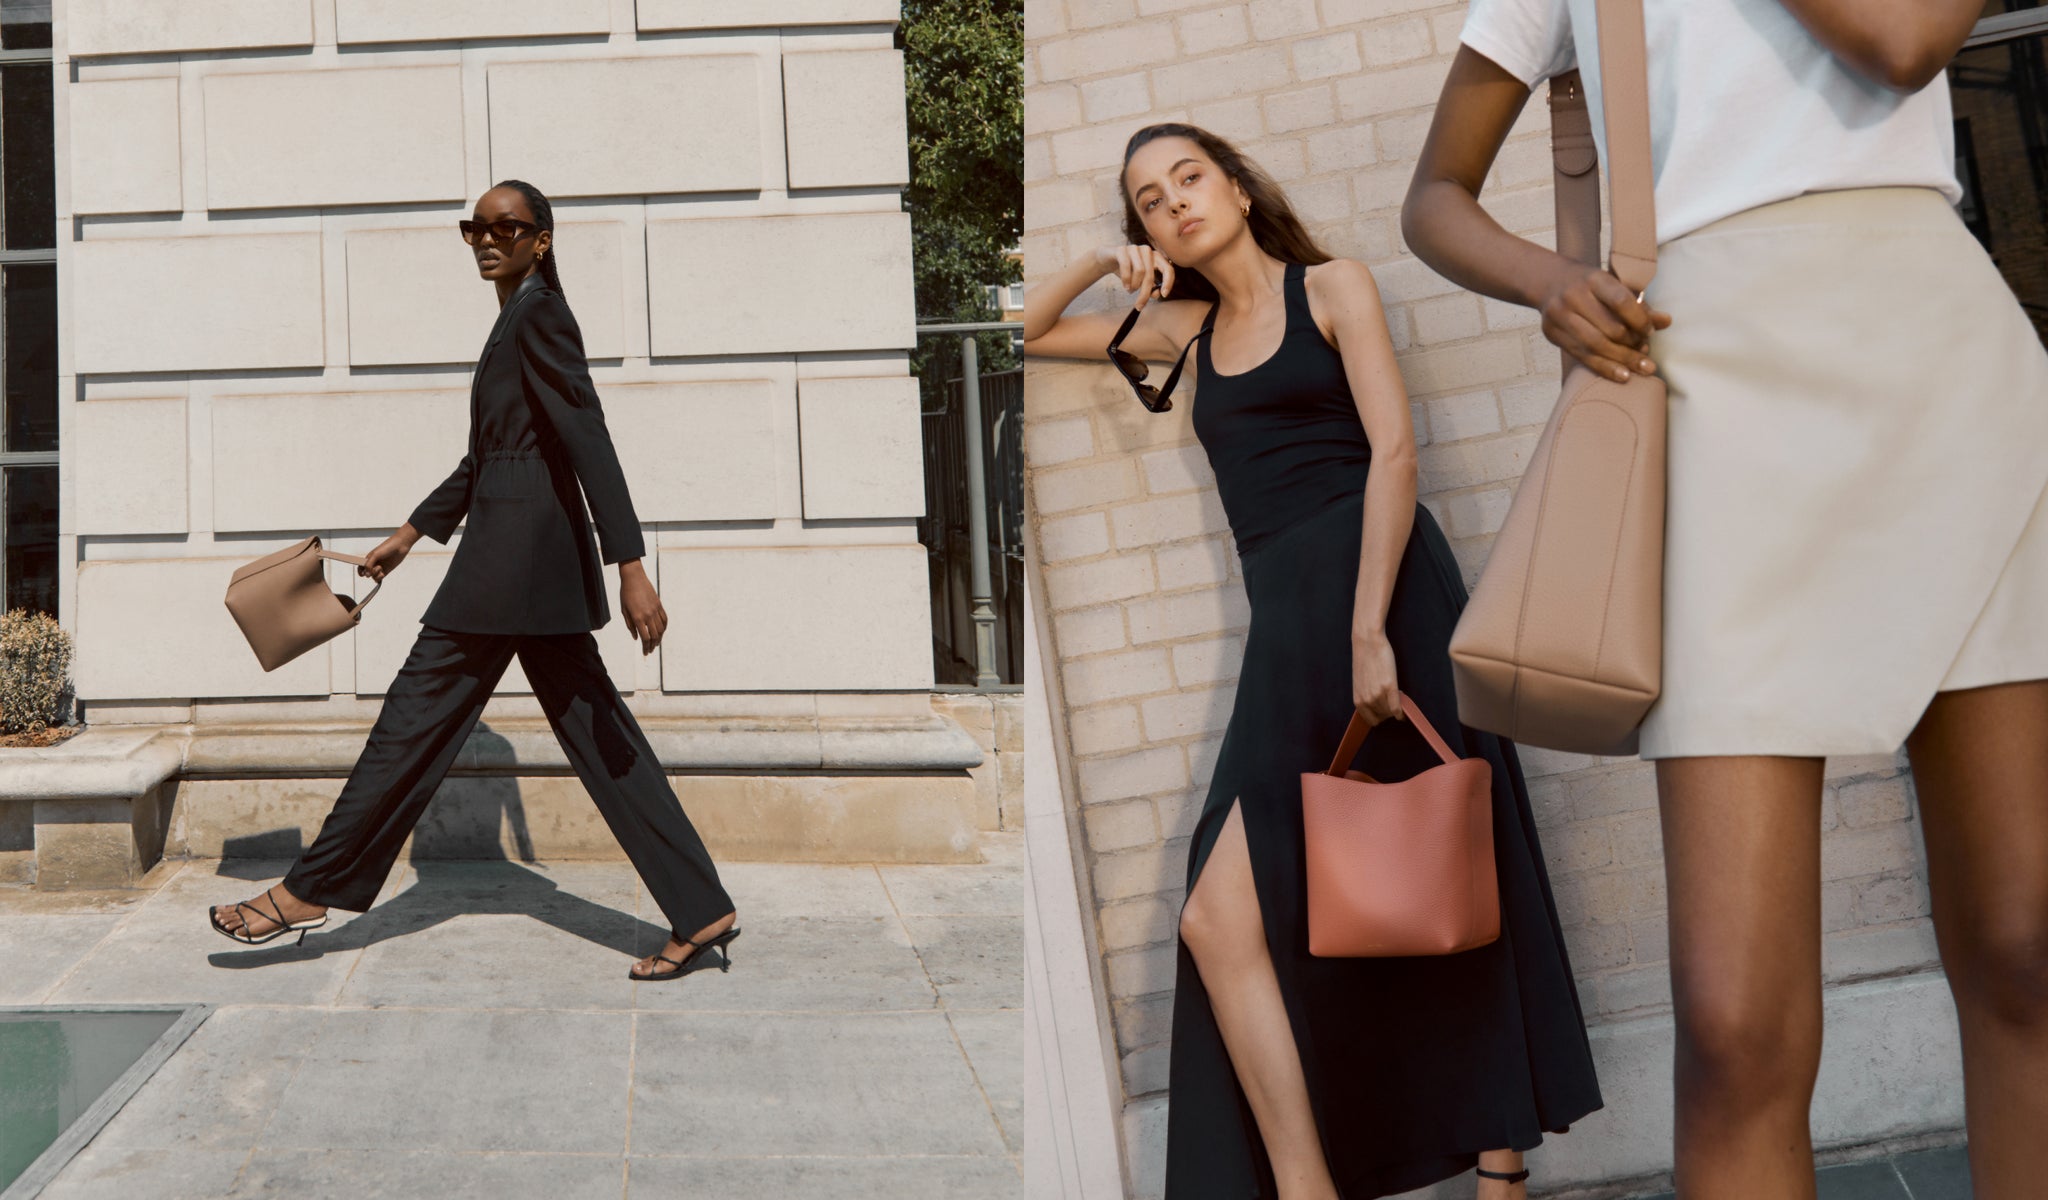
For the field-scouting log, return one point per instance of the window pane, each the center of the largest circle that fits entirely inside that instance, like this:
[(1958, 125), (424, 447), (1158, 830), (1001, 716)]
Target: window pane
[(28, 333), (2001, 108), (1993, 7), (24, 26), (28, 167), (29, 495)]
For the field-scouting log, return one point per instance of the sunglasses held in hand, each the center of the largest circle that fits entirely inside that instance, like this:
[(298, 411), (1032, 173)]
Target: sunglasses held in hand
[(1134, 370)]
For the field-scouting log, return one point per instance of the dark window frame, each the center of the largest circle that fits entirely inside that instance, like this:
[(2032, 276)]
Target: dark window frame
[(28, 458)]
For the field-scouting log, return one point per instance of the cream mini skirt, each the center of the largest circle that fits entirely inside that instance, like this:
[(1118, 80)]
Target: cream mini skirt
[(1858, 476)]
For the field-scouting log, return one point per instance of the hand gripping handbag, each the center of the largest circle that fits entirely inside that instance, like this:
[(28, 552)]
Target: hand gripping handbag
[(1561, 643), (1399, 868), (284, 606)]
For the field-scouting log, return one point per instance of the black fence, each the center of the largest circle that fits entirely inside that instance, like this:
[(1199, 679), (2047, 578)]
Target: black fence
[(944, 528)]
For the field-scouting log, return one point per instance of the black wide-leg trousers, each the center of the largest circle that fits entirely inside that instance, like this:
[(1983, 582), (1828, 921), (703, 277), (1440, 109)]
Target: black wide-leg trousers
[(427, 716)]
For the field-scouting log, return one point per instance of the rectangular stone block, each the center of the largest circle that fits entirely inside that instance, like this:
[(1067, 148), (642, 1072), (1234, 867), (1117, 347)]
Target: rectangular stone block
[(376, 135), (344, 470), (715, 14), (158, 629), (392, 624), (244, 302), (411, 21), (128, 466), (124, 146), (844, 118), (156, 26), (628, 126), (708, 291), (87, 844), (414, 295), (863, 447), (698, 451), (804, 618)]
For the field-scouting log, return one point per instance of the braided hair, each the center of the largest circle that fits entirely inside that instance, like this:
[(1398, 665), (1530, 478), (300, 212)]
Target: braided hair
[(543, 216)]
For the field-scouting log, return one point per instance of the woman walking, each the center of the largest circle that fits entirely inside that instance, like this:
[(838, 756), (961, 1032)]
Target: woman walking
[(1856, 546), (1297, 1077), (526, 581)]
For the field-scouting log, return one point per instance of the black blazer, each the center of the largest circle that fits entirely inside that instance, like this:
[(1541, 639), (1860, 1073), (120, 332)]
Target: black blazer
[(527, 563)]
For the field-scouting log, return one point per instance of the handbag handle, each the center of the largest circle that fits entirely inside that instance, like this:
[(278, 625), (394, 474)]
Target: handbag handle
[(1354, 737), (360, 561)]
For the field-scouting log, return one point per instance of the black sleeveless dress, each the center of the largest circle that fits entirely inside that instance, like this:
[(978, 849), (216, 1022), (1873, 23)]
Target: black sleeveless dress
[(1413, 1065)]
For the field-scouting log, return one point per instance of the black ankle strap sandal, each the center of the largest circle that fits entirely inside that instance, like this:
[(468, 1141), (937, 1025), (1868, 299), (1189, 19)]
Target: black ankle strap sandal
[(1504, 1176), (722, 943)]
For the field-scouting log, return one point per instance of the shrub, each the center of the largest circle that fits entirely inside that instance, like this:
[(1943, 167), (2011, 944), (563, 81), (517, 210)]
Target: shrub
[(35, 655)]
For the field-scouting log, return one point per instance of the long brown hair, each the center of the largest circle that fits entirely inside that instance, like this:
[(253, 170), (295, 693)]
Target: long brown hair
[(1274, 226)]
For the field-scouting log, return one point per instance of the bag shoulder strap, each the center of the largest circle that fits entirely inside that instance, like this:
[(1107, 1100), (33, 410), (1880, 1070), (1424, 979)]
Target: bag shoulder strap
[(1354, 737), (1625, 92)]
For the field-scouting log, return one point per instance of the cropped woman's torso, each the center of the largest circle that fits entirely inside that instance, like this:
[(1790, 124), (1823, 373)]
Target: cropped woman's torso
[(1746, 106)]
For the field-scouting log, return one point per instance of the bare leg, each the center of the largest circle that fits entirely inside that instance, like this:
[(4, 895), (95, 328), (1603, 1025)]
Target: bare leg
[(1742, 865), (1980, 767), (1226, 933)]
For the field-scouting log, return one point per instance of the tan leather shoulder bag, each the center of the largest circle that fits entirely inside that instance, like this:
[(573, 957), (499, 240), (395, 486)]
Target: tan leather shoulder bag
[(1561, 644), (284, 606)]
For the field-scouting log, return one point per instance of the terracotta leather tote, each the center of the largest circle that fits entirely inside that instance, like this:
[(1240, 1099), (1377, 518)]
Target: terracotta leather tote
[(284, 606), (1562, 642), (1400, 868)]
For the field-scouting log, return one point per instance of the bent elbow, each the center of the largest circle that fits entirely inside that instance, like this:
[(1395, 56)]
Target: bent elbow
[(1905, 68)]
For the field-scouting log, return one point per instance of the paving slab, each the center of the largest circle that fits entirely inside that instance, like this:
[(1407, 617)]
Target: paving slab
[(360, 1175), (221, 1088), (1861, 1181), (414, 1079), (811, 1178), (990, 890), (994, 1042), (775, 890), (805, 1084), (817, 964), (975, 962), (40, 949), (104, 1173)]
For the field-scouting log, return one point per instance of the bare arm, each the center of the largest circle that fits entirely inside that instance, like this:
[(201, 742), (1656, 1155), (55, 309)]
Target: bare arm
[(1345, 292), (1162, 329), (1902, 44), (1586, 311)]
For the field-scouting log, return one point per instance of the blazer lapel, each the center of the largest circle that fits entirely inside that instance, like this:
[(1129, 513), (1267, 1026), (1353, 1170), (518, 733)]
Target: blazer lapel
[(527, 287)]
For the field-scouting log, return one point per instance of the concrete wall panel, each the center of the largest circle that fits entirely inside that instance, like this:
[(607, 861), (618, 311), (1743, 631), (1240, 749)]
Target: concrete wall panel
[(124, 146), (209, 303), (802, 618), (625, 126), (716, 14), (383, 135), (158, 628), (863, 447), (697, 451), (764, 285), (411, 21), (131, 477), (843, 110), (345, 460), (414, 295), (156, 26)]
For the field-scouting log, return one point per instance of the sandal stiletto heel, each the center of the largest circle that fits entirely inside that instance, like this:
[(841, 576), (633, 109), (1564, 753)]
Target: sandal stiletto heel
[(720, 943), (275, 915)]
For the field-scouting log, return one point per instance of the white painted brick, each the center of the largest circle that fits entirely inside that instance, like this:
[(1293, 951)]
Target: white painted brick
[(1502, 315), (1473, 364), (1343, 148), (1301, 109), (1085, 486), (1180, 469), (1052, 106), (1120, 826), (1468, 415), (1383, 187), (1104, 50), (1346, 12), (844, 121), (1445, 29), (1477, 514), (1049, 443), (1210, 611), (1396, 42), (1140, 972), (1104, 729), (124, 146), (1088, 631), (1083, 585), (1401, 137), (1242, 119), (1526, 404), (1213, 30), (1186, 713), (1192, 564), (1254, 70), (1322, 57), (1160, 769), (1117, 96), (1282, 18), (1091, 14), (1132, 923), (1171, 519), (1091, 148), (1447, 319), (1376, 93), (1213, 660), (1080, 536)]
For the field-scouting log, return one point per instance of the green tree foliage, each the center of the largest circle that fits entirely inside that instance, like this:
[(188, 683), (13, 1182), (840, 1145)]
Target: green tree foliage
[(964, 85)]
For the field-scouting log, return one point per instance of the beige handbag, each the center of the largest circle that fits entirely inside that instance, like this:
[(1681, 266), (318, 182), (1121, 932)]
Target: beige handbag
[(1561, 644), (284, 606)]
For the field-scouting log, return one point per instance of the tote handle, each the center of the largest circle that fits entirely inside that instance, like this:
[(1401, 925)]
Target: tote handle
[(360, 561), (1354, 737)]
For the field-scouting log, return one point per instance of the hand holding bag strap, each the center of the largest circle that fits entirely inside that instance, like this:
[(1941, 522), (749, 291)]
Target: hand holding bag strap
[(1354, 737), (360, 561)]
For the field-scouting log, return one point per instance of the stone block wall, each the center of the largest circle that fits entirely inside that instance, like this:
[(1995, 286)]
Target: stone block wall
[(268, 321), (1333, 97)]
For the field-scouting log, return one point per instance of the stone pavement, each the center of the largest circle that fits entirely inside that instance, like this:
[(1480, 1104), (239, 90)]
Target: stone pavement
[(1942, 1174), (475, 1034)]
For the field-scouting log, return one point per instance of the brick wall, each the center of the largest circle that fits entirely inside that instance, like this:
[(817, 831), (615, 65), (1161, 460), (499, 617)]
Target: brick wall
[(1149, 610)]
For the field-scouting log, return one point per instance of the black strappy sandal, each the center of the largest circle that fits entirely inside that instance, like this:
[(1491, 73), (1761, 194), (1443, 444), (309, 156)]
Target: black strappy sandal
[(1504, 1176), (719, 943), (275, 915)]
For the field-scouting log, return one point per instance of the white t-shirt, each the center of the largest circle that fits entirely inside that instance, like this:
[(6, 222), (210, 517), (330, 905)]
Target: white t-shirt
[(1746, 106)]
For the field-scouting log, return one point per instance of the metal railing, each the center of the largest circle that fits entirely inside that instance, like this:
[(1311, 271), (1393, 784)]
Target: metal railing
[(973, 527)]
